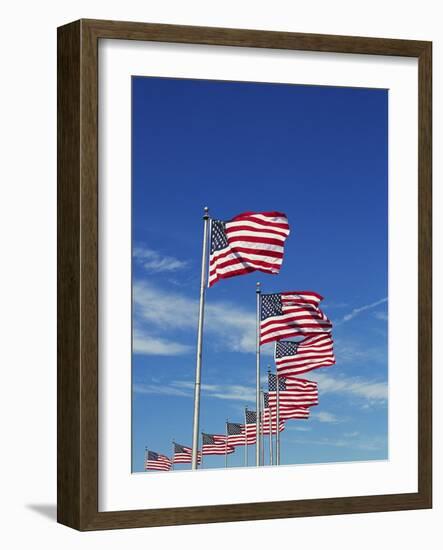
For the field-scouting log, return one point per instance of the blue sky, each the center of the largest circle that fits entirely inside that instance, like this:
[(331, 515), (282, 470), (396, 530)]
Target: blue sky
[(319, 154)]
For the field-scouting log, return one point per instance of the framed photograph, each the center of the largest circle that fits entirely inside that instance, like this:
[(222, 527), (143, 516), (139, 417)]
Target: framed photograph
[(244, 275)]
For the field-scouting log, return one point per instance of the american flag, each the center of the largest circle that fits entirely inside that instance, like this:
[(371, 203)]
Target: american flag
[(251, 417), (215, 445), (156, 461), (237, 435), (250, 426), (294, 392), (269, 418), (288, 314), (272, 382), (183, 454), (250, 241), (312, 352), (286, 412)]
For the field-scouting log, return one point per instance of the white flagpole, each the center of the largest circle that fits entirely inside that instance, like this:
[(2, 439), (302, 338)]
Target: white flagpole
[(271, 453), (246, 438), (201, 459), (277, 403), (226, 444), (146, 456), (262, 414), (173, 454), (257, 352), (201, 312)]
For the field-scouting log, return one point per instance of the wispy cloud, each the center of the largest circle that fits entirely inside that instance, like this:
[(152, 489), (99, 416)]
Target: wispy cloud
[(297, 428), (381, 315), (363, 444), (372, 391), (154, 262), (324, 416), (356, 311), (159, 389), (234, 392), (352, 351), (185, 388), (229, 325), (145, 344)]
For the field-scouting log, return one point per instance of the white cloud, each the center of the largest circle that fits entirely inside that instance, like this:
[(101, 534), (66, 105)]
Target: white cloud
[(184, 388), (298, 428), (363, 444), (324, 416), (350, 351), (356, 311), (159, 389), (144, 344), (226, 323), (154, 262), (373, 391), (234, 392), (381, 315)]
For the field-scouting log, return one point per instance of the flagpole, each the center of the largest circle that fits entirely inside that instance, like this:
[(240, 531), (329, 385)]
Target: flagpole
[(262, 413), (201, 459), (173, 454), (257, 400), (271, 453), (246, 438), (277, 402), (201, 312), (146, 455), (226, 444)]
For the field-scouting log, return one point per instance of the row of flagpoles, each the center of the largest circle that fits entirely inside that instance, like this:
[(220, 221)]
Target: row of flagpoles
[(285, 399), (249, 242)]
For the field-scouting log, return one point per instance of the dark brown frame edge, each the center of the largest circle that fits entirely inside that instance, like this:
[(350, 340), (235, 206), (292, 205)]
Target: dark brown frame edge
[(77, 455)]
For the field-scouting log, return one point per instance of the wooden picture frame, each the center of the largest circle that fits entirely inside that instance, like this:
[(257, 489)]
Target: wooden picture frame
[(78, 274)]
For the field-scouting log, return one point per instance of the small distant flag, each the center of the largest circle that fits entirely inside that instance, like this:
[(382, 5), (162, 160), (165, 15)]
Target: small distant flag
[(237, 435), (183, 454), (249, 242), (269, 418), (215, 445), (271, 426), (156, 461), (251, 417), (291, 314), (293, 392), (272, 382), (250, 426), (313, 352)]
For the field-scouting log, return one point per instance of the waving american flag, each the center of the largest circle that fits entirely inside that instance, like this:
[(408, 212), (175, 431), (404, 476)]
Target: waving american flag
[(313, 352), (238, 436), (214, 444), (294, 392), (156, 461), (289, 314), (269, 418), (249, 242), (183, 454)]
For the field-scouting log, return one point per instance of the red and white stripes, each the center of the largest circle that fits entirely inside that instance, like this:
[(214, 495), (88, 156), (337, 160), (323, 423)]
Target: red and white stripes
[(250, 241)]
